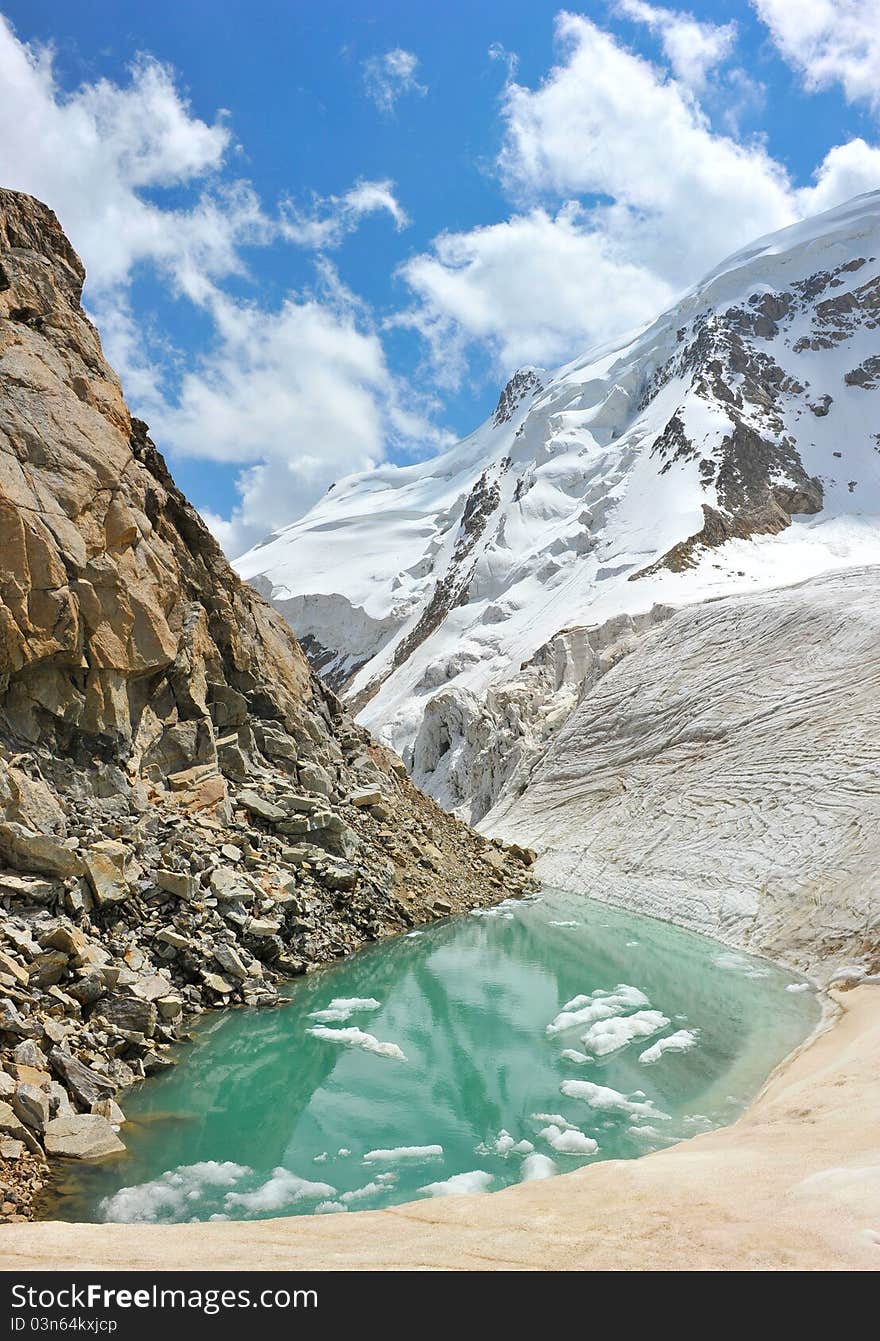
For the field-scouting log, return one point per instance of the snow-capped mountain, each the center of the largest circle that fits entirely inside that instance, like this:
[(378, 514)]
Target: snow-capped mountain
[(464, 604)]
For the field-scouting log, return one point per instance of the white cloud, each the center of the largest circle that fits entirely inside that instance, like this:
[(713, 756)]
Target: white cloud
[(390, 76), (693, 48), (533, 288), (329, 218), (302, 394), (829, 42), (647, 197), (297, 395), (92, 155)]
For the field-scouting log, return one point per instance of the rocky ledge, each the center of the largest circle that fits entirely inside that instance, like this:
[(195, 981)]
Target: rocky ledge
[(187, 815)]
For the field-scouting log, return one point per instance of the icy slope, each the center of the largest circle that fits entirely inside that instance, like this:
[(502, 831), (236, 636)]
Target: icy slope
[(732, 445)]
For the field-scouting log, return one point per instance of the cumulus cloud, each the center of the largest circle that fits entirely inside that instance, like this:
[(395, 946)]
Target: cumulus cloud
[(328, 219), (534, 288), (829, 42), (647, 197), (299, 394), (390, 76), (693, 48)]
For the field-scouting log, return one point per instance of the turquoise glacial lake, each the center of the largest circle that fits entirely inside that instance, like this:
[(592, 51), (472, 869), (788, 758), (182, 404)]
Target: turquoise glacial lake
[(479, 1052)]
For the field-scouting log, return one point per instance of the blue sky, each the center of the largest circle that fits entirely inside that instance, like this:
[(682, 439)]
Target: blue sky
[(319, 237)]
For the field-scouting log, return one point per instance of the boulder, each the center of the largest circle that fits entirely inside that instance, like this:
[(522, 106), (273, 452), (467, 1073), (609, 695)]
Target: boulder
[(130, 1014), (229, 961), (259, 806), (48, 968), (32, 1105), (13, 969), (85, 1085), (44, 854), (105, 868), (82, 1136), (314, 778), (366, 796), (181, 884)]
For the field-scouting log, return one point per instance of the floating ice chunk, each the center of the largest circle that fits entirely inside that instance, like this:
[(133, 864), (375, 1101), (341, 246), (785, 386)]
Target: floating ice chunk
[(386, 1178), (360, 1193), (166, 1197), (630, 944), (681, 1041), (283, 1188), (554, 1120), (411, 935), (607, 1100), (478, 1180), (504, 1144), (356, 1038), (343, 1152), (320, 1159), (643, 1131), (568, 1141), (563, 924), (329, 1208), (798, 987), (572, 1055), (537, 1166), (403, 1153), (609, 1035), (342, 1008), (598, 1005)]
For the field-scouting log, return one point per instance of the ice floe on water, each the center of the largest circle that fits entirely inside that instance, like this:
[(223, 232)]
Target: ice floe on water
[(572, 1055), (554, 1120), (607, 1036), (551, 923), (477, 1180), (320, 1159), (281, 1189), (681, 1041), (504, 1144), (371, 1189), (341, 1008), (537, 1166), (169, 1196), (353, 1037), (798, 987), (588, 1008), (568, 1140), (322, 1208), (607, 1100), (403, 1154)]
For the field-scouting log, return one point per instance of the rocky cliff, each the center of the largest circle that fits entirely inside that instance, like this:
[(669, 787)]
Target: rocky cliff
[(186, 812)]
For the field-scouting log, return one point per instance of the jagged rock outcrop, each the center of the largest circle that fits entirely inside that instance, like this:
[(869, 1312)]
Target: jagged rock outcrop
[(186, 812)]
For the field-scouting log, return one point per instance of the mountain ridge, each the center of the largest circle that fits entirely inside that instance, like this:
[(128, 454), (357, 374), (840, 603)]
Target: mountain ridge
[(662, 469)]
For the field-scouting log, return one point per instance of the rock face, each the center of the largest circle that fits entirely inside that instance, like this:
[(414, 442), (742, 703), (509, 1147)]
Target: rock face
[(176, 822), (726, 775), (730, 446)]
